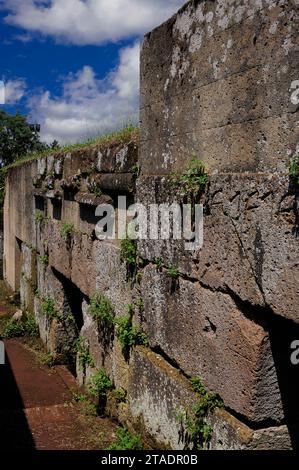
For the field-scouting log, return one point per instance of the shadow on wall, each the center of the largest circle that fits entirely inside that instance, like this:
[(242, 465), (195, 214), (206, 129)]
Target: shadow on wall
[(282, 333), (14, 430)]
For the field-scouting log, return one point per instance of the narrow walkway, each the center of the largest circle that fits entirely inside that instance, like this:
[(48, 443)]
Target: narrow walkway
[(37, 409)]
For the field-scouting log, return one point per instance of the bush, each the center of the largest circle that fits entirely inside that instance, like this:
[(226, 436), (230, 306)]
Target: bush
[(100, 384), (126, 441), (101, 308), (26, 326), (67, 230), (128, 251), (84, 356)]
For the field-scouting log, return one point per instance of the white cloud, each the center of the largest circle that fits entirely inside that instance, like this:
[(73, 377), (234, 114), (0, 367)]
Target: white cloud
[(89, 106), (89, 21), (14, 90)]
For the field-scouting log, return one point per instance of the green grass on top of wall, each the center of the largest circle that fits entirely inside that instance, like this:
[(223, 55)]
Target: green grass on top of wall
[(114, 138)]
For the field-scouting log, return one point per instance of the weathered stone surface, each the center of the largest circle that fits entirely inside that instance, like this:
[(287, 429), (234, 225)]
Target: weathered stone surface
[(157, 392), (216, 84), (250, 239), (207, 336)]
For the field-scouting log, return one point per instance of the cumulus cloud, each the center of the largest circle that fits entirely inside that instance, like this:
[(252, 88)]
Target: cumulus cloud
[(89, 106), (14, 90), (88, 21)]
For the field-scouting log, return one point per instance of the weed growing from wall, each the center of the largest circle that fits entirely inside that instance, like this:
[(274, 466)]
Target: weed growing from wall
[(39, 217), (193, 180), (101, 308), (67, 230), (173, 272), (98, 386), (197, 430), (128, 334), (44, 259), (49, 309), (85, 358), (126, 441), (294, 170)]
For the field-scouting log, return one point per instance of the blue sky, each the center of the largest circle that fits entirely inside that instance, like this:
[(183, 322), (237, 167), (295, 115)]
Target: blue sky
[(73, 65)]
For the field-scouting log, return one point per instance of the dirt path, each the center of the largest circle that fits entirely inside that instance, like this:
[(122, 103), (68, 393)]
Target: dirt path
[(37, 410)]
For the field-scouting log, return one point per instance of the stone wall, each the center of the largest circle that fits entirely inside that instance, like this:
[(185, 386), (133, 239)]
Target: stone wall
[(215, 85)]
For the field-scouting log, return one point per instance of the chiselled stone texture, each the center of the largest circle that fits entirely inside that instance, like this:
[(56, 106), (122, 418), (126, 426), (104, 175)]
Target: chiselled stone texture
[(215, 83), (157, 411), (207, 336), (250, 238)]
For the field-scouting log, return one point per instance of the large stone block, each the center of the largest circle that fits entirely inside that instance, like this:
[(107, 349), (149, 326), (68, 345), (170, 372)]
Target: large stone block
[(250, 239), (218, 87), (207, 336), (158, 391)]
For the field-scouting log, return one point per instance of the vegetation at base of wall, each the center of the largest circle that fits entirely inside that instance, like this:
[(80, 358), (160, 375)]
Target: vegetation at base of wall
[(199, 432), (26, 326), (128, 334), (100, 384), (49, 309), (194, 179), (128, 251), (118, 137), (88, 408), (126, 441), (39, 216), (101, 308), (294, 169), (120, 395), (44, 259), (84, 356), (67, 230), (46, 358), (173, 272)]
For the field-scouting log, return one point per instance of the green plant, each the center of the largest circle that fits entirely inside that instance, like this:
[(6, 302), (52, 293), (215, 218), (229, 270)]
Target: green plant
[(94, 188), (25, 326), (135, 170), (127, 334), (84, 356), (44, 259), (101, 308), (30, 326), (49, 309), (159, 263), (67, 230), (294, 169), (173, 272), (46, 358), (194, 178), (120, 395), (88, 407), (126, 441), (13, 329), (128, 251), (100, 384), (199, 431), (39, 216), (139, 302)]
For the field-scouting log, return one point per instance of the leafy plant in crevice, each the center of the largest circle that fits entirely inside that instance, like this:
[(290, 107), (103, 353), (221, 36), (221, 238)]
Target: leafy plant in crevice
[(84, 356), (39, 217), (67, 230), (50, 310), (126, 441), (25, 326), (101, 308), (94, 188), (128, 334), (128, 251), (197, 431), (193, 180), (135, 170), (98, 387), (294, 170), (173, 272), (44, 259), (120, 395), (159, 263)]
